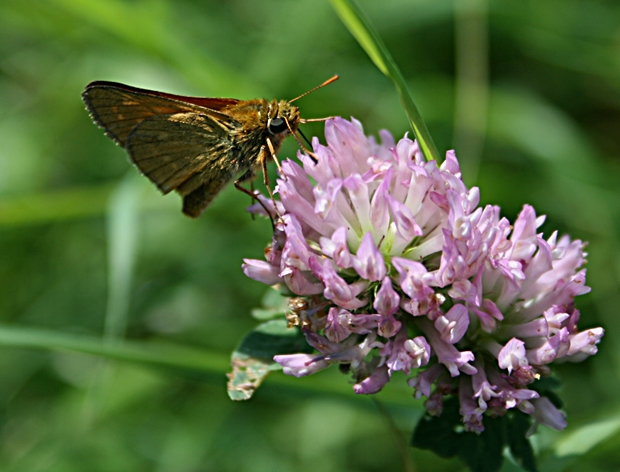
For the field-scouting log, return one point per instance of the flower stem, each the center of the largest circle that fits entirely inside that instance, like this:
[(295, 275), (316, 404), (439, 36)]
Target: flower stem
[(401, 445)]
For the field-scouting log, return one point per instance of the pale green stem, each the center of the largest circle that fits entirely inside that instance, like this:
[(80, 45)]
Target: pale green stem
[(471, 104)]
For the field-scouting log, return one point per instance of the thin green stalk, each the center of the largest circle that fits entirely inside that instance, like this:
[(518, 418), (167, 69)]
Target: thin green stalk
[(401, 444), (182, 359), (122, 232), (364, 32), (122, 222), (142, 352)]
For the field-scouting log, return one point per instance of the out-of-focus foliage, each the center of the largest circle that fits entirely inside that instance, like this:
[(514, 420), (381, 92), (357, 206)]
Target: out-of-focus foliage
[(89, 251)]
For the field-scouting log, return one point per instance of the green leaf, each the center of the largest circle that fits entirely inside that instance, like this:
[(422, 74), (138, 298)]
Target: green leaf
[(274, 305), (582, 440), (272, 338), (521, 449), (364, 32), (546, 387), (247, 375), (438, 433), (253, 359), (482, 452)]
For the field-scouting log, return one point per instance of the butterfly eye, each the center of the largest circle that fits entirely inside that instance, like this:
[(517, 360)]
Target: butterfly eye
[(277, 125)]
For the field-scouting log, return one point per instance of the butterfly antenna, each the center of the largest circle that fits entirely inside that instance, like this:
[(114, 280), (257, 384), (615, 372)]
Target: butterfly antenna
[(304, 136), (327, 82)]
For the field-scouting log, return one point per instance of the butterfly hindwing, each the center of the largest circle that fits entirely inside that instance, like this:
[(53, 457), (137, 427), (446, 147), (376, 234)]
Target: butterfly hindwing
[(174, 150)]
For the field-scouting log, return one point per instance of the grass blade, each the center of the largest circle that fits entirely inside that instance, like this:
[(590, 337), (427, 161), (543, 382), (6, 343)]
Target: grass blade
[(122, 238), (362, 30), (153, 353)]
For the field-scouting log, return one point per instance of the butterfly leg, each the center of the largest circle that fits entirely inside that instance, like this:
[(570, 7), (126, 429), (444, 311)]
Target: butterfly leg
[(249, 175), (272, 150), (263, 161), (301, 145)]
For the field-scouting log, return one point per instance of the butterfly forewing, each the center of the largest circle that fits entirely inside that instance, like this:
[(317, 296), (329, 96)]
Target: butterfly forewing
[(177, 142), (118, 108)]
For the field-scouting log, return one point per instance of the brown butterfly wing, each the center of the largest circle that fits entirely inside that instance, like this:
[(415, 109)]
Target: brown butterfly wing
[(180, 143), (187, 152), (118, 108)]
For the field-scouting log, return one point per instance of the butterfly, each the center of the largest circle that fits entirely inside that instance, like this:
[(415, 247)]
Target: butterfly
[(194, 145)]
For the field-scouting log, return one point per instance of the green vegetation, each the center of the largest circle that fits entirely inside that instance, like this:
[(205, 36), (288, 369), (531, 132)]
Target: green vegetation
[(118, 313)]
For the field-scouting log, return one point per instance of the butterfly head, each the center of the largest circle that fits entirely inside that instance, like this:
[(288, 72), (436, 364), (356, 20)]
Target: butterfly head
[(283, 118)]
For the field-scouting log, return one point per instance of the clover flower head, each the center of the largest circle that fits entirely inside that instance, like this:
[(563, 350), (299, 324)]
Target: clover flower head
[(402, 270)]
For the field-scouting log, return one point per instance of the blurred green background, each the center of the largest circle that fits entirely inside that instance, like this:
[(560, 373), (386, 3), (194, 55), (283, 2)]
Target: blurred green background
[(527, 92)]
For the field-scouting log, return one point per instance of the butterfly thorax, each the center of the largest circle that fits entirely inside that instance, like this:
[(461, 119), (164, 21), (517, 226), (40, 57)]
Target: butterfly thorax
[(259, 121)]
